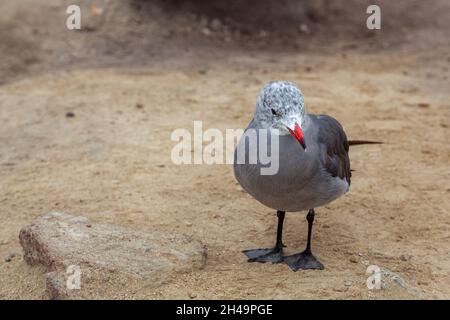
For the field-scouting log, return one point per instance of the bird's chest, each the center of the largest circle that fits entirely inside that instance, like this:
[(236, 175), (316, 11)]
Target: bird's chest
[(289, 171)]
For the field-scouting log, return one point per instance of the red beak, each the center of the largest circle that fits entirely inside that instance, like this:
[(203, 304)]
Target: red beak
[(298, 134)]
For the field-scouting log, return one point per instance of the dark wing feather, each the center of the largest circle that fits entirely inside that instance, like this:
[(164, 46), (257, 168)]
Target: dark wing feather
[(334, 147)]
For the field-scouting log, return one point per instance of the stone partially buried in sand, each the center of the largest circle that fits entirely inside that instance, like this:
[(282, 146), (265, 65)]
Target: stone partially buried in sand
[(109, 257)]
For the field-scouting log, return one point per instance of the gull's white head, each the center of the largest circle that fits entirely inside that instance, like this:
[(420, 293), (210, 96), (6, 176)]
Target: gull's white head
[(281, 106)]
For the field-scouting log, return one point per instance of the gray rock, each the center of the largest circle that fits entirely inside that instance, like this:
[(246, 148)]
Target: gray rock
[(391, 279), (105, 254)]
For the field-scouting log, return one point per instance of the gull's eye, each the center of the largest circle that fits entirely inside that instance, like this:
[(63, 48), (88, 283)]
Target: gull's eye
[(273, 112)]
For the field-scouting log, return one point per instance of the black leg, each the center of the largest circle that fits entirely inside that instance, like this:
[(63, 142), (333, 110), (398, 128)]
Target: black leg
[(305, 259), (310, 219), (274, 254)]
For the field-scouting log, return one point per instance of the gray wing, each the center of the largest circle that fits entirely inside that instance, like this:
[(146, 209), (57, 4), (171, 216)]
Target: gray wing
[(333, 147)]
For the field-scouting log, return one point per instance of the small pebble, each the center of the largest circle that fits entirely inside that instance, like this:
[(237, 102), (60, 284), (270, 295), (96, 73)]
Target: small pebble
[(70, 114), (353, 260), (206, 31), (263, 34), (10, 257), (139, 105), (304, 28), (399, 281), (216, 24)]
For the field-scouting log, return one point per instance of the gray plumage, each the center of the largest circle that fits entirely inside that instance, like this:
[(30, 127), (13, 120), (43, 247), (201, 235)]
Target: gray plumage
[(307, 178)]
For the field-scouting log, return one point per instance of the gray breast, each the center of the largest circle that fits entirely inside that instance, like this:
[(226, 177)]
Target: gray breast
[(301, 182)]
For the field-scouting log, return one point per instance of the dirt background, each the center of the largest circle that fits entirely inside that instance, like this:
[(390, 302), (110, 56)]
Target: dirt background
[(140, 69)]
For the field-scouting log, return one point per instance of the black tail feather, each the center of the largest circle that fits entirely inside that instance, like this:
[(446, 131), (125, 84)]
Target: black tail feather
[(356, 142)]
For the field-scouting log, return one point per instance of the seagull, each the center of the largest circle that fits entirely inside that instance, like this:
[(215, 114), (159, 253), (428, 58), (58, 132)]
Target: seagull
[(313, 165)]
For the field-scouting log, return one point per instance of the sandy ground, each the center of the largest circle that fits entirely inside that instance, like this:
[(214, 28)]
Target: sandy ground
[(111, 161)]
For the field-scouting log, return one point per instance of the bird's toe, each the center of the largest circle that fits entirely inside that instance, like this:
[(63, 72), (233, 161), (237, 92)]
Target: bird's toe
[(273, 255), (303, 260)]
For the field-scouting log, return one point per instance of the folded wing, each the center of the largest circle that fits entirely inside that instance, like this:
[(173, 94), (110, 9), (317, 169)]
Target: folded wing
[(334, 148)]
